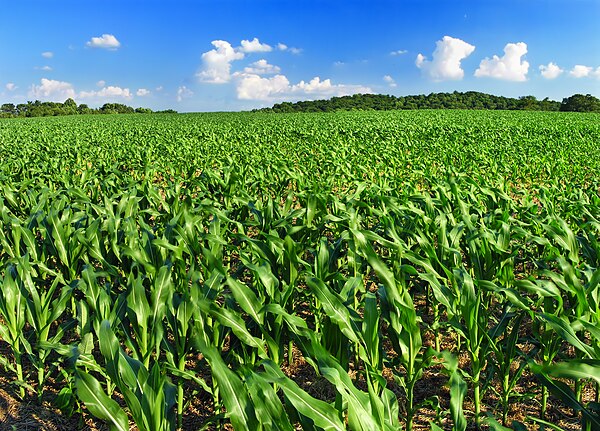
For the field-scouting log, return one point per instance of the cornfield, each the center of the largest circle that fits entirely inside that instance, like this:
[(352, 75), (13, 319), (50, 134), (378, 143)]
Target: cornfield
[(365, 271)]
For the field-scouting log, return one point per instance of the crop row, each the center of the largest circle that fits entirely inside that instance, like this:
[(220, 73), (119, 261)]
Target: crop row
[(142, 288)]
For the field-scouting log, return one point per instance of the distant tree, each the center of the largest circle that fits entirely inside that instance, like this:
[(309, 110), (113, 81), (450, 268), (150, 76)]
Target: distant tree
[(84, 109), (116, 108), (380, 102), (580, 103), (21, 109), (8, 108), (528, 103), (69, 107)]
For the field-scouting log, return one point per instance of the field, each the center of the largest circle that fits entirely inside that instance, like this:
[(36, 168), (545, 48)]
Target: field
[(360, 270)]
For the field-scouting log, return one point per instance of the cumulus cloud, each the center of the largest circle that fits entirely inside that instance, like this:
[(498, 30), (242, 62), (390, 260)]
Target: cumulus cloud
[(254, 45), (52, 90), (45, 68), (509, 67), (390, 81), (550, 71), (101, 83), (110, 92), (278, 87), (47, 54), (183, 93), (58, 91), (217, 62), (106, 41), (398, 52), (445, 62), (581, 71), (11, 86), (255, 87), (262, 67), (142, 92)]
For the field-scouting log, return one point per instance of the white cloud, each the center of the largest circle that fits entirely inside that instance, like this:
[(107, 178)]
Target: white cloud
[(11, 86), (101, 83), (398, 52), (284, 47), (52, 90), (106, 41), (217, 63), (580, 71), (47, 54), (142, 92), (262, 67), (46, 68), (550, 71), (255, 87), (254, 45), (183, 92), (390, 81), (109, 92), (509, 67), (326, 88), (446, 58), (159, 88)]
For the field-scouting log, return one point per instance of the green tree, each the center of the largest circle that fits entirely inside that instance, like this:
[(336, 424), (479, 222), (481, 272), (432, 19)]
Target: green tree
[(580, 103)]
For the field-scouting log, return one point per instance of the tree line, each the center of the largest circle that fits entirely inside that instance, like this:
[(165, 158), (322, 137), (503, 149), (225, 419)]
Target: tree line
[(69, 107), (455, 100)]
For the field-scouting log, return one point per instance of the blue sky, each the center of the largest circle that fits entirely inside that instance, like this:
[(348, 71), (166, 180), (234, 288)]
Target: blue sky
[(233, 55)]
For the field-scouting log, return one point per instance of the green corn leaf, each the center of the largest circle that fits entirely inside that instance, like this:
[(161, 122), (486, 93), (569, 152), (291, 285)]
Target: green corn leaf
[(246, 299), (335, 309), (235, 397), (98, 403), (323, 415), (269, 409)]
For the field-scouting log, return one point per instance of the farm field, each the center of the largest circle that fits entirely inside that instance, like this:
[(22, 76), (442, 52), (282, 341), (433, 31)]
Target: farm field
[(356, 270)]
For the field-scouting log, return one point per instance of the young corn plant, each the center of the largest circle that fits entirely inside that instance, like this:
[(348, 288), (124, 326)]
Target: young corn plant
[(404, 331), (13, 306), (148, 393)]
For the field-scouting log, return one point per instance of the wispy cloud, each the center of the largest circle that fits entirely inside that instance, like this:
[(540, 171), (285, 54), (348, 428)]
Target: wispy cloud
[(183, 93), (390, 81)]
